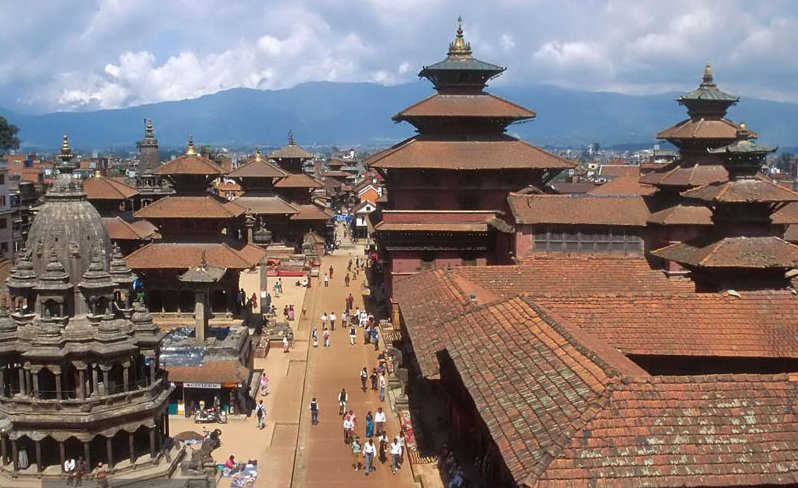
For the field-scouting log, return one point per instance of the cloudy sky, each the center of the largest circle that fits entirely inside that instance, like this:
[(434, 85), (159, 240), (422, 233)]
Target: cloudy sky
[(87, 54)]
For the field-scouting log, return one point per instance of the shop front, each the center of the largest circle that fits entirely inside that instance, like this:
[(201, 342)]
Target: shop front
[(225, 384)]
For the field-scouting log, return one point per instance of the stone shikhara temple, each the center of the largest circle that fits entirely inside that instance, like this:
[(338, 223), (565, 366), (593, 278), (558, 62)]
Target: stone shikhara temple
[(79, 372)]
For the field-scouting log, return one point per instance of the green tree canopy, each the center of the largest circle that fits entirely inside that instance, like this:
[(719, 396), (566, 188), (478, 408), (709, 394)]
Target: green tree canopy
[(8, 135)]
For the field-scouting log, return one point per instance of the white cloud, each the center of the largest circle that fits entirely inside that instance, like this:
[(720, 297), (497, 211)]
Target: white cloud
[(112, 53)]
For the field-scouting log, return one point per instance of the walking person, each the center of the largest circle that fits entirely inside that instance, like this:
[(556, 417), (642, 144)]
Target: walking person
[(356, 452), (364, 374), (349, 265), (326, 280), (350, 301), (369, 450), (373, 378), (396, 453), (260, 413), (343, 397), (314, 335), (331, 272), (324, 319), (379, 421), (375, 336), (352, 335), (326, 335), (369, 425), (383, 439), (332, 321), (286, 343), (254, 300), (80, 470), (346, 279), (314, 411), (101, 476), (382, 387), (349, 429)]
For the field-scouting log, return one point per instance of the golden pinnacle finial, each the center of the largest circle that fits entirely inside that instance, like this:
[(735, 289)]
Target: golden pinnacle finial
[(190, 151), (708, 74), (290, 137), (66, 151), (460, 48), (257, 154), (744, 135)]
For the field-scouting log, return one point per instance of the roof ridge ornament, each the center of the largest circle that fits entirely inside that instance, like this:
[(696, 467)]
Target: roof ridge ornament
[(190, 151), (291, 138), (708, 80), (459, 48), (258, 157)]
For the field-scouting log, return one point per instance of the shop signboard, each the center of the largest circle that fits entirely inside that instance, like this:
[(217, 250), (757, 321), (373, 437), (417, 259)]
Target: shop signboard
[(207, 386)]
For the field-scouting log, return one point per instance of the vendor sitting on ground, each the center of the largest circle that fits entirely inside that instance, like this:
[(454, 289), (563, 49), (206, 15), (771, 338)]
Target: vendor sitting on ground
[(230, 463)]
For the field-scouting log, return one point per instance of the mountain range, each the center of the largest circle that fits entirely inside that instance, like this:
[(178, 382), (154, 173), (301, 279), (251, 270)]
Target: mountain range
[(359, 115)]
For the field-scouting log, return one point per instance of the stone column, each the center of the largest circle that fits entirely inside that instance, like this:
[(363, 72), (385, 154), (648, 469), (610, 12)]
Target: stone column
[(2, 381), (82, 385), (109, 446), (131, 446), (87, 456), (22, 390), (200, 316), (152, 370), (126, 376), (95, 381), (14, 455), (39, 467), (61, 454), (57, 372), (106, 386), (3, 449), (35, 375), (152, 442)]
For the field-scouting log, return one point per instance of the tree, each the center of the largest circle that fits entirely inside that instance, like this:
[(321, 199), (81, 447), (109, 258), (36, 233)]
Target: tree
[(8, 135)]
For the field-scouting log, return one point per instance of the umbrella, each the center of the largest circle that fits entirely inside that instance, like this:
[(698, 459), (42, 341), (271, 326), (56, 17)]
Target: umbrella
[(188, 435)]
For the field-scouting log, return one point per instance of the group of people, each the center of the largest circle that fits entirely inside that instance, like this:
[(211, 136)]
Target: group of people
[(368, 451), (76, 469), (376, 378), (247, 303)]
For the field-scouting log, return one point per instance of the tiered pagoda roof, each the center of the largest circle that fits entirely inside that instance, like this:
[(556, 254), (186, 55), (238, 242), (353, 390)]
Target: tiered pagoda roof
[(102, 188), (257, 167), (298, 180), (290, 151), (199, 207), (191, 163)]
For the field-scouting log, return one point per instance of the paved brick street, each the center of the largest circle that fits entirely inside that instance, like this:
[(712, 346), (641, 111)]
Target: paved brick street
[(290, 451)]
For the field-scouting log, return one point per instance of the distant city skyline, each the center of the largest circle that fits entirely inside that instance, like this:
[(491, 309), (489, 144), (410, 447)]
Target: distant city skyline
[(110, 53)]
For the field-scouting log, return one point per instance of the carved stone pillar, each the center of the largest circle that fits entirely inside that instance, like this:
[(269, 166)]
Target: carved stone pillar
[(87, 455), (39, 467), (109, 446), (106, 385), (14, 455), (152, 442), (152, 370), (131, 447), (61, 454), (35, 374), (95, 381), (126, 376), (2, 381), (82, 385), (4, 449), (22, 390)]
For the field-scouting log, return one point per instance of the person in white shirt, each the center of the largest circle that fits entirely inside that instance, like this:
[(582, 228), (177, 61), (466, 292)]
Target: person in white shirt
[(379, 421), (324, 320), (396, 452), (332, 321), (69, 469), (349, 428), (368, 453)]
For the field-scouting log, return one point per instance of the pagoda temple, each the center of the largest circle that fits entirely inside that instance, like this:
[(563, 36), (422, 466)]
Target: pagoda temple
[(193, 223), (79, 370), (150, 185), (744, 249), (675, 219), (447, 186)]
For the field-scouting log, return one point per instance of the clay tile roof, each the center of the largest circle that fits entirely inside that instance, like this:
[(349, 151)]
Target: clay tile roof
[(791, 234), (121, 230), (101, 188), (540, 394), (335, 163), (683, 174), (742, 191), (465, 105), (298, 181), (204, 207), (623, 185), (712, 129), (190, 165), (335, 174), (291, 151), (451, 153), (578, 187), (174, 255), (732, 252), (754, 325), (684, 213), (788, 214), (619, 170), (578, 209), (687, 431), (224, 371), (267, 205), (435, 221), (311, 212), (257, 169)]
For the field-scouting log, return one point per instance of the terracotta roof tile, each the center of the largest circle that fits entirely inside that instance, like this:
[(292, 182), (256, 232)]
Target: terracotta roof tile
[(578, 209), (791, 234), (788, 214), (311, 212), (755, 324), (686, 174), (190, 165), (579, 187), (470, 105), (298, 181), (121, 230), (732, 252), (226, 371), (713, 129), (726, 430), (291, 151), (257, 169), (623, 185), (619, 170), (101, 188), (267, 205), (457, 154), (742, 191), (174, 255), (200, 207), (685, 213)]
